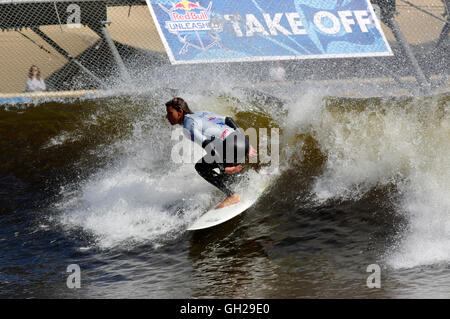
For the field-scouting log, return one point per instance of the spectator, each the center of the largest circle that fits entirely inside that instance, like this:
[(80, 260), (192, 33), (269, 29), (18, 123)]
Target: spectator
[(277, 73), (34, 81)]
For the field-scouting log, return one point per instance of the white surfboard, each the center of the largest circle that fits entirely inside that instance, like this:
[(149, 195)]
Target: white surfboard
[(215, 217)]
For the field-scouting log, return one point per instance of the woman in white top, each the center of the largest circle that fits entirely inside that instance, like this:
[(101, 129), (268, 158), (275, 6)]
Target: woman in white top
[(34, 81)]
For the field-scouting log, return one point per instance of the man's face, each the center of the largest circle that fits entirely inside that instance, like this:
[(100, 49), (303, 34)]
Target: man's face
[(173, 116)]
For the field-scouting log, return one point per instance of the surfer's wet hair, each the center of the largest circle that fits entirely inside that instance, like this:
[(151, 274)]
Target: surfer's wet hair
[(180, 105)]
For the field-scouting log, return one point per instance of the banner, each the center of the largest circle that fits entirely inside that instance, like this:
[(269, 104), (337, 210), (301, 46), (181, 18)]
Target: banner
[(208, 31)]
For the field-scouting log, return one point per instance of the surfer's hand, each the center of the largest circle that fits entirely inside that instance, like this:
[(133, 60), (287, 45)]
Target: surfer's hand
[(234, 169), (252, 151)]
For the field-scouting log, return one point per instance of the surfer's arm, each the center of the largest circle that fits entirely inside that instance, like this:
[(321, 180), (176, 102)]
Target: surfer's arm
[(198, 137), (193, 131)]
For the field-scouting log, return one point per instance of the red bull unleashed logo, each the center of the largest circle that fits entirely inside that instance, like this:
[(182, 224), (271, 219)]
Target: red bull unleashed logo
[(191, 23)]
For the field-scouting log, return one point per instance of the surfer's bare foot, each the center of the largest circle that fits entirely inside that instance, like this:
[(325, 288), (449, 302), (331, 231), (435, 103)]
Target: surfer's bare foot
[(233, 169), (230, 200)]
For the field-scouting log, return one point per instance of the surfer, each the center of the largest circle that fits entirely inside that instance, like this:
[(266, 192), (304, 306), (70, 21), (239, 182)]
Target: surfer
[(225, 145)]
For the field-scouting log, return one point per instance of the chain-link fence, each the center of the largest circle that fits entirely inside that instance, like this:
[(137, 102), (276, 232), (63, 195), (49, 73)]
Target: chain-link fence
[(68, 41), (83, 44)]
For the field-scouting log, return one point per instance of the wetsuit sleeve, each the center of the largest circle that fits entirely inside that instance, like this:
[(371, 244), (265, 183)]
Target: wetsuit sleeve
[(197, 136), (194, 132), (231, 123)]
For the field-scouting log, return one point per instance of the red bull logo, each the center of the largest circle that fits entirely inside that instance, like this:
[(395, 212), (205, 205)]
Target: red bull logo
[(199, 15)]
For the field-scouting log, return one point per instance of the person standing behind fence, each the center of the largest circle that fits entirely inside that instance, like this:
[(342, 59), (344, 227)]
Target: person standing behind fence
[(34, 81)]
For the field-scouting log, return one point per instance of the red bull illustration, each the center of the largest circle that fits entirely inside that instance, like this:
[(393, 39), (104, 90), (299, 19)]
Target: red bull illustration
[(191, 22)]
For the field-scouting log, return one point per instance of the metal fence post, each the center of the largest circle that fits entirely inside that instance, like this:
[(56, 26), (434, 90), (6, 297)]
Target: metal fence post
[(115, 53)]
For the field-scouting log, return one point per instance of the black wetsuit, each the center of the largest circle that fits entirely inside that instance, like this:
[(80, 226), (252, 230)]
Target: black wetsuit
[(224, 143)]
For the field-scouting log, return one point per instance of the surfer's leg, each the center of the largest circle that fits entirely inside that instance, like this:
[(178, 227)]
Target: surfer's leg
[(207, 171), (237, 147)]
